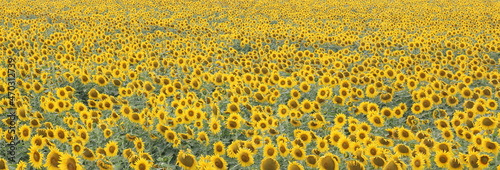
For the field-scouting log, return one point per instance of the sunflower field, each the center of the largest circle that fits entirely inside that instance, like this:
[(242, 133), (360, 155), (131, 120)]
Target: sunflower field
[(249, 84)]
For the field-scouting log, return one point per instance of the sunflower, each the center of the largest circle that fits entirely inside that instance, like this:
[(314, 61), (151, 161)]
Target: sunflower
[(418, 162), (35, 158), (3, 164), (451, 101), (62, 93), (473, 160), (443, 146), (340, 120), (405, 134), (479, 108), (295, 166), (447, 134), (269, 164), (23, 113), (442, 158), (305, 136), (387, 112), (372, 150), (218, 162), (88, 154), (490, 146), (312, 160), (304, 87), (50, 106), (142, 164), (233, 108), (111, 149), (61, 134), (322, 145), (24, 132), (306, 106), (426, 104), (283, 149), (259, 97), (324, 93), (139, 145), (186, 160), (103, 165), (455, 164), (21, 165), (385, 98), (69, 162), (328, 162), (371, 91), (53, 159), (136, 118), (203, 138), (384, 141), (355, 165), (101, 80), (417, 108), (402, 149), (270, 151), (245, 157), (376, 120), (37, 141), (377, 161), (37, 87), (298, 153), (466, 93), (344, 145), (93, 94), (484, 161)]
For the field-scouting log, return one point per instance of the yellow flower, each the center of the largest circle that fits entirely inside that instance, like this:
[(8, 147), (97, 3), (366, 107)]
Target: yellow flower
[(186, 160), (298, 153), (218, 162), (328, 162), (295, 166), (442, 158), (111, 149), (24, 132), (245, 157), (69, 162), (270, 151), (139, 145), (142, 164), (376, 120), (304, 87), (35, 158), (53, 159), (77, 148), (61, 134)]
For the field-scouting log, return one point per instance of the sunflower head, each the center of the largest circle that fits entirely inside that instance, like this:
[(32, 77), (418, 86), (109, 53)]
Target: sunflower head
[(186, 160), (269, 163)]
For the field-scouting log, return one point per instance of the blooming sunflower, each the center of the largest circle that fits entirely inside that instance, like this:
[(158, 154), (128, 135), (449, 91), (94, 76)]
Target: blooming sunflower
[(298, 153), (245, 157), (69, 162), (186, 160), (24, 132), (218, 162), (295, 166), (53, 159), (111, 149), (328, 162), (270, 151), (442, 158), (35, 158), (269, 163), (142, 164)]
